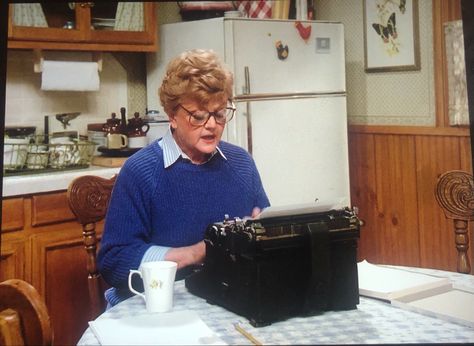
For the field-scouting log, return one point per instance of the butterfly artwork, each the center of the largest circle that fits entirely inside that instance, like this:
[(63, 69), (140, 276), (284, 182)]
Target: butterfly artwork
[(391, 35), (386, 26), (389, 31)]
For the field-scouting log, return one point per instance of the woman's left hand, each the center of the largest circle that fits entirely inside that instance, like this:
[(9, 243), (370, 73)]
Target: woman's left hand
[(255, 212)]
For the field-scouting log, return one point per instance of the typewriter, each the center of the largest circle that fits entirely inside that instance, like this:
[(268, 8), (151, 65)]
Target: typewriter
[(273, 268)]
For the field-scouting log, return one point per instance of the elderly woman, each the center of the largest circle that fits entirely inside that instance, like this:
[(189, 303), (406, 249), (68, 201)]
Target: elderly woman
[(169, 192)]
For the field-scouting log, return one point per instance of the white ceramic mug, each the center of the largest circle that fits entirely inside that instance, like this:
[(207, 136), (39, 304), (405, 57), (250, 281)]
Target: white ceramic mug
[(137, 142), (37, 159), (15, 152), (116, 141), (60, 155), (158, 281)]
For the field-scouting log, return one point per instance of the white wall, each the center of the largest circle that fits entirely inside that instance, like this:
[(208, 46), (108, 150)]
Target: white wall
[(26, 104)]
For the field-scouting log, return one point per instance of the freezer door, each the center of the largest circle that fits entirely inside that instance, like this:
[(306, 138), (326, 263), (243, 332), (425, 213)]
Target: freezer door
[(301, 149), (313, 65)]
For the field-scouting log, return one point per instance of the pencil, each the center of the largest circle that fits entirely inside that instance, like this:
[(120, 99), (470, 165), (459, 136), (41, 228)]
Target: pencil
[(247, 334)]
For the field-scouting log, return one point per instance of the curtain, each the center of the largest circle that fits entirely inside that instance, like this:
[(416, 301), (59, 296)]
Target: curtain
[(458, 106), (129, 16), (29, 15)]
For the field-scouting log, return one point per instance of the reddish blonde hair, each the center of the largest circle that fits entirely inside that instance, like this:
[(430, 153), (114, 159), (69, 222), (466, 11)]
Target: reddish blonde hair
[(197, 75)]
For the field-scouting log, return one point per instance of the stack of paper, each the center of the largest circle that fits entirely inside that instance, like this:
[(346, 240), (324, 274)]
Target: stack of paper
[(172, 328), (425, 294), (388, 284)]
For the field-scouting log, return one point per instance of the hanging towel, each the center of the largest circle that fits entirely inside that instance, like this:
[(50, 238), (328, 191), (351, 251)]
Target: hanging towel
[(70, 76)]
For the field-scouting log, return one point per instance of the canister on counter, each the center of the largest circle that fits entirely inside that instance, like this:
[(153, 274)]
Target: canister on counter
[(96, 134)]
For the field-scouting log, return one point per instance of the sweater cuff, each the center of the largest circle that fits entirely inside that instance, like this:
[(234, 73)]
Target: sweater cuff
[(155, 253)]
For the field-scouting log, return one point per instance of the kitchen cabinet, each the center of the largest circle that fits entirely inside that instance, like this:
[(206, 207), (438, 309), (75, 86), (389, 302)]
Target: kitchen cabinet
[(87, 26), (42, 243)]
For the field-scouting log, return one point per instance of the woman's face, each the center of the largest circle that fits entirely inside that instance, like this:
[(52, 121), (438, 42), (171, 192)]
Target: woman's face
[(198, 142)]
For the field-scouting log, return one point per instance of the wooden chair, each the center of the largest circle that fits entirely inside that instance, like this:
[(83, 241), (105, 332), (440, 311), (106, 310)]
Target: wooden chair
[(24, 318), (88, 198), (455, 195)]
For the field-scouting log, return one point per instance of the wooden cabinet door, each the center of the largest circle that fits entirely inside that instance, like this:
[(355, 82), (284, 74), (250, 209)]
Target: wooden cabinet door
[(59, 273), (56, 15), (13, 240), (84, 26), (13, 259), (144, 12)]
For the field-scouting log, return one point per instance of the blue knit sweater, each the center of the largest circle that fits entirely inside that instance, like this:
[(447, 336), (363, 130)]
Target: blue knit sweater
[(153, 205)]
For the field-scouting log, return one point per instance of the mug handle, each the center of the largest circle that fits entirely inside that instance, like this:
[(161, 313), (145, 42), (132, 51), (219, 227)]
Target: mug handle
[(132, 271), (124, 141), (146, 126)]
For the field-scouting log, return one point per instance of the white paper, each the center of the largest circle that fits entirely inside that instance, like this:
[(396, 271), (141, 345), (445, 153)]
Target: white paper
[(387, 283), (303, 208), (454, 306), (172, 328), (70, 76)]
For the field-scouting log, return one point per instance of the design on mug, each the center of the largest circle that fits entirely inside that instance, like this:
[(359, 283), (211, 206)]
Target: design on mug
[(156, 284)]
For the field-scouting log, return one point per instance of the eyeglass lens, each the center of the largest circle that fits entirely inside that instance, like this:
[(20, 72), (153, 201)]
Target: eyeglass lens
[(221, 116)]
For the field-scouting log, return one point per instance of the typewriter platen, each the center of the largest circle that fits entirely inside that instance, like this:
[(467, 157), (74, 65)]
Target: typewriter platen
[(280, 267)]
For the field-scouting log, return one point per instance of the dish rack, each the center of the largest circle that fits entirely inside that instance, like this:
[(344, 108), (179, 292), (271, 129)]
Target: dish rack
[(28, 158)]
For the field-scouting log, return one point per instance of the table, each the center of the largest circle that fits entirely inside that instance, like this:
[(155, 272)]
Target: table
[(373, 322)]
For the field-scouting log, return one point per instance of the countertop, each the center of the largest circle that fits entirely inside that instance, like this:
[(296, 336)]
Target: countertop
[(51, 181)]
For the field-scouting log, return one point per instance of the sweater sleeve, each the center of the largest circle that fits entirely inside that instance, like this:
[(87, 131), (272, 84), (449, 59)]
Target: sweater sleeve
[(261, 199), (245, 166), (127, 229)]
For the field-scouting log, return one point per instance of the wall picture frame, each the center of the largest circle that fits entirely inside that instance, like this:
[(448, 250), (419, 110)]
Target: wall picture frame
[(391, 35)]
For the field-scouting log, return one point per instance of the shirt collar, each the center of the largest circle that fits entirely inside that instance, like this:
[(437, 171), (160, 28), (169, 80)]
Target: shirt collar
[(172, 152)]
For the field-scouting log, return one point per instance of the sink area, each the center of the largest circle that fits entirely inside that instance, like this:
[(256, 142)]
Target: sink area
[(50, 181)]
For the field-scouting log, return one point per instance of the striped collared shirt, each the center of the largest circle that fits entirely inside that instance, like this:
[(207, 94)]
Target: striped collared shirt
[(172, 152)]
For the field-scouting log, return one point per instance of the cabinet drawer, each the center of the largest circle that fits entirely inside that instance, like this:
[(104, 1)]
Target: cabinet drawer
[(50, 208), (13, 217)]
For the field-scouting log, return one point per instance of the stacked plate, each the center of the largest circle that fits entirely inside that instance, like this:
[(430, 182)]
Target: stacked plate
[(103, 23)]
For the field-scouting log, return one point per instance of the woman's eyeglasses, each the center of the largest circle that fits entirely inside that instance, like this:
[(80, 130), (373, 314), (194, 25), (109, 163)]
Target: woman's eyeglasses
[(200, 118)]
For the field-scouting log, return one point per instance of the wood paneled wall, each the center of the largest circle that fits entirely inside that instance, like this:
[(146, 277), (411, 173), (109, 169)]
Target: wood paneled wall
[(394, 171), (393, 178)]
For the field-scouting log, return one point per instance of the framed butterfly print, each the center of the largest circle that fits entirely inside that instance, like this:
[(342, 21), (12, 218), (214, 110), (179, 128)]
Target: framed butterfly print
[(391, 35)]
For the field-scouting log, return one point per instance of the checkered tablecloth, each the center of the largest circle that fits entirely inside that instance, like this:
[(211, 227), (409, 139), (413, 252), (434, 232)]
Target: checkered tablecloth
[(373, 322)]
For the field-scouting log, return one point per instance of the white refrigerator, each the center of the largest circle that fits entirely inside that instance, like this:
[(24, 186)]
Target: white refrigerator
[(291, 108)]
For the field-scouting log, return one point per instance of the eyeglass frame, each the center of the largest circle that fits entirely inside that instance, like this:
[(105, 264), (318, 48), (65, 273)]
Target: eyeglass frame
[(209, 114)]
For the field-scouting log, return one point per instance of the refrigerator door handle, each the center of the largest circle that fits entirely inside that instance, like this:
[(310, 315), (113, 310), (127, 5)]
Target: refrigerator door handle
[(244, 97), (247, 112)]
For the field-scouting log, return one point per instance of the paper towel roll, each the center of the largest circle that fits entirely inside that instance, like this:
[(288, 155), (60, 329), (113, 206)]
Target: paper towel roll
[(70, 76)]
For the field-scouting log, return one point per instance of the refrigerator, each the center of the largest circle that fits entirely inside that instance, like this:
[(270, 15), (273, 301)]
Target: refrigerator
[(289, 88)]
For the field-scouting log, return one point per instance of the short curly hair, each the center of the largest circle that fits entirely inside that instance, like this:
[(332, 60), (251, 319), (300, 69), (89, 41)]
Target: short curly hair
[(197, 75)]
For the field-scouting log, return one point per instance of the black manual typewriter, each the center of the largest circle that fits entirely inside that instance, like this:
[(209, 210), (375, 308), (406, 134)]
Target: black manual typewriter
[(274, 268)]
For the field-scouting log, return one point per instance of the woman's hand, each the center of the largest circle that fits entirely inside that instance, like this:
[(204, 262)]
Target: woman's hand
[(187, 255), (255, 212), (193, 254)]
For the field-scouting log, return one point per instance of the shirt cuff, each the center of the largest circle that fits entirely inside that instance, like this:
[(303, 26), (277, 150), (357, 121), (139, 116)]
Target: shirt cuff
[(155, 253)]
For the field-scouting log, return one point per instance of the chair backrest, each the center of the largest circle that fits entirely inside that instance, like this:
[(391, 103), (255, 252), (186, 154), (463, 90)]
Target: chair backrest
[(455, 195), (88, 198), (24, 318)]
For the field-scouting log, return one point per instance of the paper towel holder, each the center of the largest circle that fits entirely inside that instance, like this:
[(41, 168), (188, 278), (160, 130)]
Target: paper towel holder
[(39, 58)]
